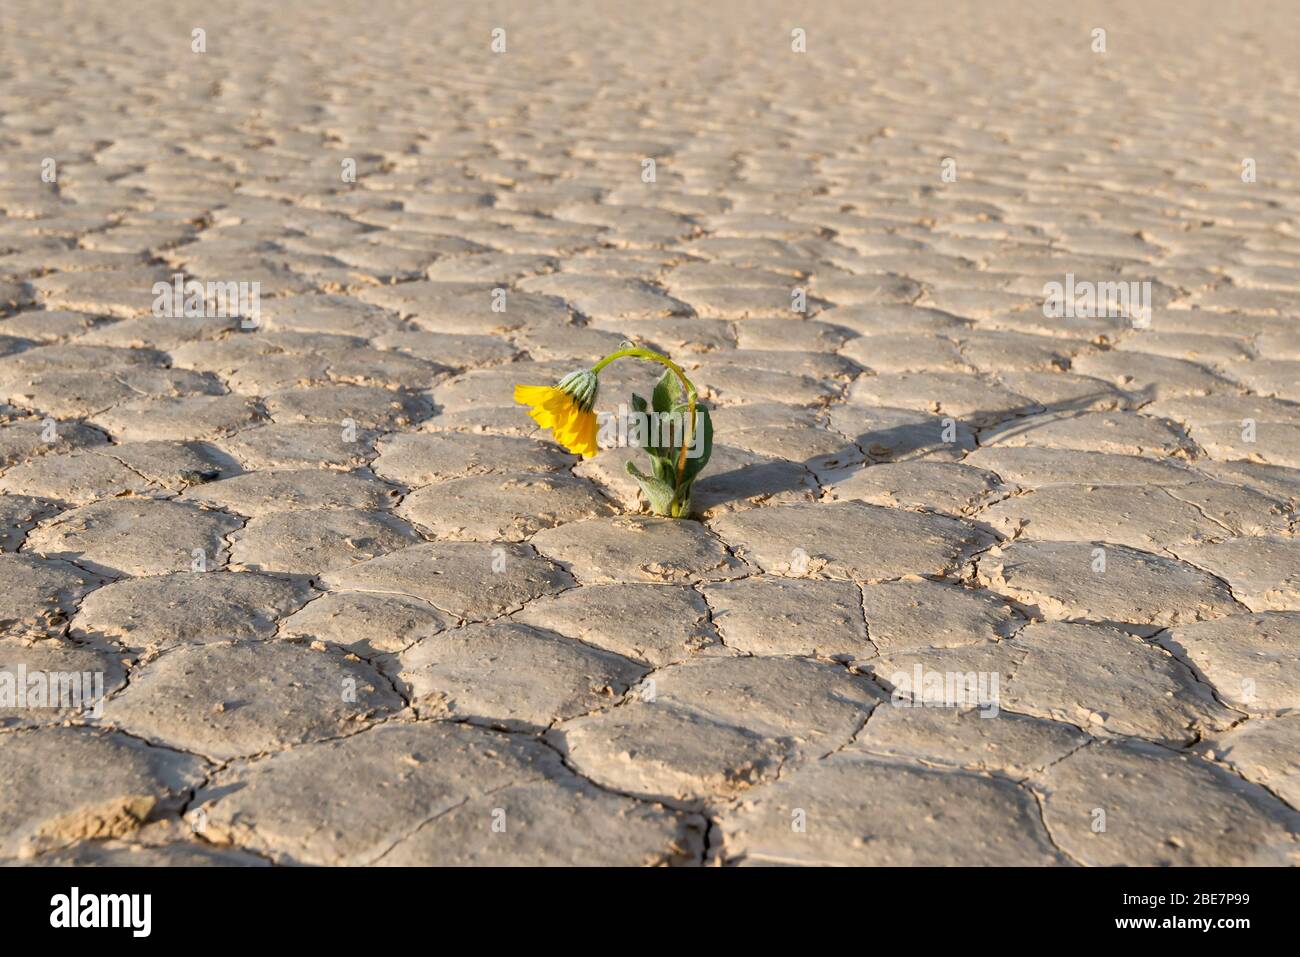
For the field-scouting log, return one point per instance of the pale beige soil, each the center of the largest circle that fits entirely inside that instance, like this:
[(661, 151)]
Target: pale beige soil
[(349, 608)]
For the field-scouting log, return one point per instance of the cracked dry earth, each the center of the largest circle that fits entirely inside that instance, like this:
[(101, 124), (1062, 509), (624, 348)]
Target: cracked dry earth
[(425, 635)]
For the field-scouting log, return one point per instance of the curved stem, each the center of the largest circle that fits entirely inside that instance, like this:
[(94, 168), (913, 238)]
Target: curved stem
[(663, 360)]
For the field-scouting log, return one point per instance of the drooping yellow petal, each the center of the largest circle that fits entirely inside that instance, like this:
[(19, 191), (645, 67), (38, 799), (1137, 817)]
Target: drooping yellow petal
[(586, 445), (576, 432), (534, 394), (572, 433), (566, 426), (556, 410), (542, 417), (547, 402)]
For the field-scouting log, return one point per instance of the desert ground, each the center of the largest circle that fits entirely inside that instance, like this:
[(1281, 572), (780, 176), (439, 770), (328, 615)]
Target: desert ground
[(971, 580)]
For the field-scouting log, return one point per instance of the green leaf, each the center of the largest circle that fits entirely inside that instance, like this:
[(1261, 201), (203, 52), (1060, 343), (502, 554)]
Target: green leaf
[(681, 507), (639, 406), (652, 430), (668, 392), (659, 493), (704, 428), (664, 469)]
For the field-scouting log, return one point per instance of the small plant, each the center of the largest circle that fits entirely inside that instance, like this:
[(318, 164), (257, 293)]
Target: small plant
[(673, 427)]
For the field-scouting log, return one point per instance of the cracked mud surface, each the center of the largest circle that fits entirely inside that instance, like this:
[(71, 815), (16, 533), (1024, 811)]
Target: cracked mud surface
[(348, 606)]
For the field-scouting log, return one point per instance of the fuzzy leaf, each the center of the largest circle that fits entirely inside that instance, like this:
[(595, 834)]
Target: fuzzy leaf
[(640, 434), (704, 427), (659, 492), (668, 392), (664, 469), (681, 507)]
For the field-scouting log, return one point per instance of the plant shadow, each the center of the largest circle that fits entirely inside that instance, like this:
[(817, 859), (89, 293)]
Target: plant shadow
[(918, 438)]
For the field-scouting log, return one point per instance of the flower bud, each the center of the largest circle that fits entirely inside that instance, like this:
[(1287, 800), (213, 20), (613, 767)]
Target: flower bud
[(582, 386)]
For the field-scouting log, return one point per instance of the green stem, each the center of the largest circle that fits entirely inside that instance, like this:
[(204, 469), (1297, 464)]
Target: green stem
[(663, 360)]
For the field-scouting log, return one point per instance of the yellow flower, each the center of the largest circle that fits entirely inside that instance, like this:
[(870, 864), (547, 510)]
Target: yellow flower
[(565, 410)]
